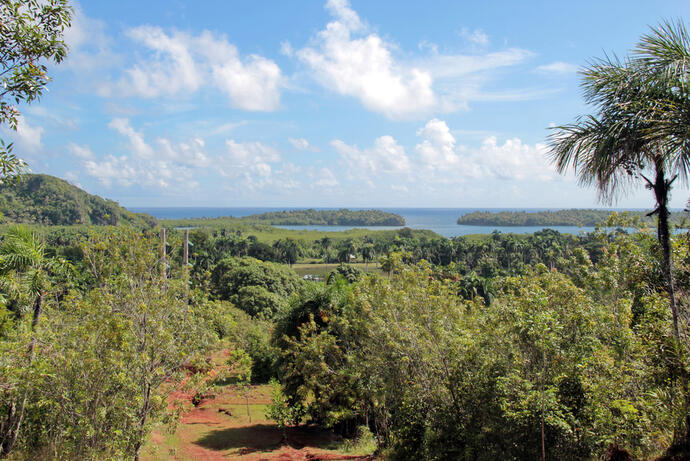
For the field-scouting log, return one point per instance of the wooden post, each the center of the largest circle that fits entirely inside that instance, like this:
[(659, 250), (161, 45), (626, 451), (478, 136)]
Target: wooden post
[(185, 270), (164, 263), (185, 260)]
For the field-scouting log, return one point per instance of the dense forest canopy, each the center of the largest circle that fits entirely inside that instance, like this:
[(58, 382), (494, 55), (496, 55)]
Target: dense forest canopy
[(47, 200), (571, 217), (414, 346), (341, 217)]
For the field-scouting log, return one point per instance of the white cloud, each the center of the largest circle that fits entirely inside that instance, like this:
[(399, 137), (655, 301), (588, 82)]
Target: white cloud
[(175, 165), (189, 153), (226, 127), (181, 64), (513, 159), (112, 169), (350, 59), (286, 48), (90, 48), (558, 67), (82, 152), (326, 178), (302, 144), (247, 159), (26, 139), (476, 36), (437, 150), (164, 164), (364, 67), (138, 146), (386, 156), (440, 159), (171, 72)]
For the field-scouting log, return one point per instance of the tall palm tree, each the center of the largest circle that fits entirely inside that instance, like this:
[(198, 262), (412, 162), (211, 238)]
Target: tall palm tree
[(325, 244), (640, 132), (635, 134)]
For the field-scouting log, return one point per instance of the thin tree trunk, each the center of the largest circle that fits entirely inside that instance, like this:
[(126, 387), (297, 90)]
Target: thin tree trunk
[(142, 422), (38, 309), (543, 439), (662, 187)]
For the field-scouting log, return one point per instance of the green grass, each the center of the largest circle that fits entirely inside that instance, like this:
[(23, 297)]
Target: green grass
[(269, 234)]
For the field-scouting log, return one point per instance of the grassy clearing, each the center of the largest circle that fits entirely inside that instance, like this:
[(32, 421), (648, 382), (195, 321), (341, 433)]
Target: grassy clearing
[(269, 234), (221, 429)]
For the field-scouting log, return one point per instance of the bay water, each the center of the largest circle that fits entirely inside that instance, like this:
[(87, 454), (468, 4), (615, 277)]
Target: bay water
[(443, 221)]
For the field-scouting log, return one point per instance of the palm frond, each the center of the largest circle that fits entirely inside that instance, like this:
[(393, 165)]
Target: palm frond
[(666, 48)]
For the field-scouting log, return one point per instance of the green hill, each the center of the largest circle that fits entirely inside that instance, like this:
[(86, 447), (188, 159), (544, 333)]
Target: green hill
[(341, 217), (47, 200), (572, 217)]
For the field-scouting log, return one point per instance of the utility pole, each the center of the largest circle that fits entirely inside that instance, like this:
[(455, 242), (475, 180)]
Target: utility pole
[(186, 248), (185, 271), (164, 263)]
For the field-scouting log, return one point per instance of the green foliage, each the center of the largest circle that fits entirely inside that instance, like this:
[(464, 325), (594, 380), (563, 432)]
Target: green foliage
[(347, 271), (342, 217), (583, 347), (281, 411), (103, 355), (259, 288), (31, 33), (47, 200), (573, 217)]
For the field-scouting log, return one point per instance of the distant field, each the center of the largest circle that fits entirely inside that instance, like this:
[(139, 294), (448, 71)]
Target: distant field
[(269, 234)]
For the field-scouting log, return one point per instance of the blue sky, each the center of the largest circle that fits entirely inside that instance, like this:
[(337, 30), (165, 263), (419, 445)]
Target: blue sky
[(326, 103)]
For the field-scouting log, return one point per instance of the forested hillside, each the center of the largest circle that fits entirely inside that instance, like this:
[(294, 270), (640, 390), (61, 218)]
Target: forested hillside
[(573, 217), (45, 199), (342, 217)]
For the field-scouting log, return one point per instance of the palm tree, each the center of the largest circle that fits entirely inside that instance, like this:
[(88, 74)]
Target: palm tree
[(640, 132), (636, 133), (367, 255), (325, 244), (23, 253)]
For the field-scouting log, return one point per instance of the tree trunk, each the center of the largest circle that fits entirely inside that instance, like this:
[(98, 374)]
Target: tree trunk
[(662, 187), (38, 309), (142, 422)]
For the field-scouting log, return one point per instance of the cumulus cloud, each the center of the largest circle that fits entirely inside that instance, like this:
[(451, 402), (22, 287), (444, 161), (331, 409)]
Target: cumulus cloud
[(138, 146), (171, 164), (26, 138), (179, 63), (350, 59), (363, 66), (386, 156), (437, 150), (90, 47), (82, 152), (326, 178), (441, 159), (513, 159), (162, 163), (112, 169), (302, 144)]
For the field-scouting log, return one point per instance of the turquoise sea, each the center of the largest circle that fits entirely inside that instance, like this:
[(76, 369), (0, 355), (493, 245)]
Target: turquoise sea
[(440, 220)]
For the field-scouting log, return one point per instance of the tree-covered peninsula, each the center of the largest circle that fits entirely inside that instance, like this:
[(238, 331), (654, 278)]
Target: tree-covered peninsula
[(47, 200), (341, 217), (574, 217)]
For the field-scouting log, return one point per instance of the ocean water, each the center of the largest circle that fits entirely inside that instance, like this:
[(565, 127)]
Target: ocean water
[(440, 220)]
